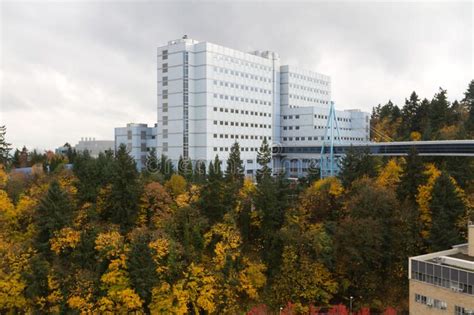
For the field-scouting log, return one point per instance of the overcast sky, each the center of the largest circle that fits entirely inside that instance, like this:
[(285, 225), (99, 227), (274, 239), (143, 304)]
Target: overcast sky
[(79, 69)]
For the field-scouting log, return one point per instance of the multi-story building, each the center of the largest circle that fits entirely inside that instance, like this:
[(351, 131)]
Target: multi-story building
[(443, 282), (93, 146), (210, 96), (139, 139)]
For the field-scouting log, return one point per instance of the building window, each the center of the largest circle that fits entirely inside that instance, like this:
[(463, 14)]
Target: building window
[(165, 107), (129, 134), (165, 81), (165, 146), (165, 68)]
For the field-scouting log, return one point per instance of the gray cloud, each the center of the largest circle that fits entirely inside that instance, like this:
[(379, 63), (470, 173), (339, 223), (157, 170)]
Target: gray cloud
[(75, 69)]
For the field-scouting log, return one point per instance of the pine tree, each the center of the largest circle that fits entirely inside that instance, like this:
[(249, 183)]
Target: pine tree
[(200, 172), (4, 146), (439, 110), (54, 212), (16, 159), (121, 206), (410, 119), (141, 266), (235, 169), (356, 164), (469, 101), (165, 167), (264, 157), (447, 207), (181, 166), (212, 202), (412, 177)]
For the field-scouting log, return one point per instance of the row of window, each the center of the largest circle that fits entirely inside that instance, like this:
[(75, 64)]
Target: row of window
[(242, 124), (459, 310), (241, 149), (242, 62), (242, 74), (327, 127), (241, 99), (291, 127), (231, 136), (316, 138), (243, 112), (308, 99), (431, 302), (241, 86), (446, 281), (304, 77), (317, 116), (307, 88)]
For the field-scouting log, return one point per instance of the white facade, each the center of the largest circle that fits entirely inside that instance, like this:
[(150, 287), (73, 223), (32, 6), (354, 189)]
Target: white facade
[(210, 96), (139, 139)]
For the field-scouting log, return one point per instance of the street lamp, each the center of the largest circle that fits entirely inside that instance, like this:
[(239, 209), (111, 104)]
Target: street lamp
[(350, 303), (281, 309)]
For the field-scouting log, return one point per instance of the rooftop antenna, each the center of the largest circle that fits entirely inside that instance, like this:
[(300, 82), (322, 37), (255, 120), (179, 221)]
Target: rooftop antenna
[(327, 166)]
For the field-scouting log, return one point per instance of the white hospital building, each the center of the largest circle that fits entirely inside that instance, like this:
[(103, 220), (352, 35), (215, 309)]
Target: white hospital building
[(210, 96)]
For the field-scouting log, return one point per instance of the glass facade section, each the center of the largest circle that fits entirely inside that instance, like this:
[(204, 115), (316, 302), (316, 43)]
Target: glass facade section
[(443, 276)]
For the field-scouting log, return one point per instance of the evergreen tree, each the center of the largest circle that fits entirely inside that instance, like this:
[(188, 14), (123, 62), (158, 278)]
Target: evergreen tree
[(264, 158), (447, 207), (469, 101), (4, 146), (409, 116), (141, 266), (235, 169), (151, 162), (16, 159), (165, 167), (412, 177), (212, 202), (121, 206), (181, 166), (439, 110), (54, 212), (356, 164), (200, 172)]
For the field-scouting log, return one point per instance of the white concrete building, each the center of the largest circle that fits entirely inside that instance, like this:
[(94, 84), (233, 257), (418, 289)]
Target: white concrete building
[(93, 146), (210, 96), (139, 139)]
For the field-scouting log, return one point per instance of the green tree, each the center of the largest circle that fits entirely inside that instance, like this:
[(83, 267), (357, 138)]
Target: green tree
[(447, 208), (412, 176), (121, 206), (54, 212), (469, 101), (439, 110), (141, 266), (4, 146), (264, 158), (235, 169), (411, 121), (356, 164), (212, 201)]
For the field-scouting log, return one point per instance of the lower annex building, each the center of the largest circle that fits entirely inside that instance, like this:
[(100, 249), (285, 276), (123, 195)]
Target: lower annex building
[(443, 282)]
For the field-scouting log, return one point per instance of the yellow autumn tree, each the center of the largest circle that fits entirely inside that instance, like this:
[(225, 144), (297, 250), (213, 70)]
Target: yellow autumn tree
[(424, 198), (119, 298), (322, 200), (389, 175), (176, 185)]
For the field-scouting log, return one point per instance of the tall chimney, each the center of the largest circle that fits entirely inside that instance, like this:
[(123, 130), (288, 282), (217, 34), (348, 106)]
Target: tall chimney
[(470, 239)]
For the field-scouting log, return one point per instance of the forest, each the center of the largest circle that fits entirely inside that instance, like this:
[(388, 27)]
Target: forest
[(102, 237)]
